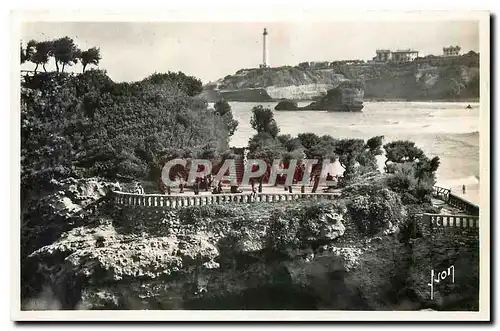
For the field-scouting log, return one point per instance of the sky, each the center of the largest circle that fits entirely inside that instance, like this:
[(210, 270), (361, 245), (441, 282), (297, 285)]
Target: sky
[(133, 50)]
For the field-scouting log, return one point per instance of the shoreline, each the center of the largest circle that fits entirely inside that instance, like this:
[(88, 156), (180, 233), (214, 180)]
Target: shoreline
[(367, 100)]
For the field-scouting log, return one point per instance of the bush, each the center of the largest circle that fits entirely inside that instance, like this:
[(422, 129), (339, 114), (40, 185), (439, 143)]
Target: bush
[(282, 232), (375, 211)]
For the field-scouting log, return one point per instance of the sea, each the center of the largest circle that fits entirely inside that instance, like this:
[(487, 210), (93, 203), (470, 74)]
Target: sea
[(445, 129)]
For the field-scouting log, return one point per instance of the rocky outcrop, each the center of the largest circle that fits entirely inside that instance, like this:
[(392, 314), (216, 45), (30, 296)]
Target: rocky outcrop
[(66, 204), (348, 96), (289, 255), (287, 105)]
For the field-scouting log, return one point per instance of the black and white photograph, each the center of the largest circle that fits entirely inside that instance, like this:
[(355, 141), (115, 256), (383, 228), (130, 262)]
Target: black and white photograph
[(331, 168)]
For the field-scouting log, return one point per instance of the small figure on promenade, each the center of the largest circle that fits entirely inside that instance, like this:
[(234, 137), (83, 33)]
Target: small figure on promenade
[(463, 189), (219, 187), (139, 189), (181, 185)]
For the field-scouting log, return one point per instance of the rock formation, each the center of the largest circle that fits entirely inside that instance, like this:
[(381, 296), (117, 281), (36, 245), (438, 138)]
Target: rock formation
[(348, 96), (433, 78), (291, 255)]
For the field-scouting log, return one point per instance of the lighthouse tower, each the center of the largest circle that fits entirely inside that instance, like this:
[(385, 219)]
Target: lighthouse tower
[(264, 64)]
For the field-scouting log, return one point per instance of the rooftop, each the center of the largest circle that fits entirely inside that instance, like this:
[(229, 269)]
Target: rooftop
[(405, 51)]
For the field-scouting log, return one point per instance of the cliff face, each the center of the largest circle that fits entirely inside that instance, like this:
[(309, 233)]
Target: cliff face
[(425, 79), (299, 255), (347, 96)]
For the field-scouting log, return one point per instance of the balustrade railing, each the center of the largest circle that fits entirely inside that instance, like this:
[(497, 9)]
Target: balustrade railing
[(454, 200), (176, 201), (456, 221)]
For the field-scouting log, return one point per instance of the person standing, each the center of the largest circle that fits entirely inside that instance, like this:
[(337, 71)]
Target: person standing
[(463, 189)]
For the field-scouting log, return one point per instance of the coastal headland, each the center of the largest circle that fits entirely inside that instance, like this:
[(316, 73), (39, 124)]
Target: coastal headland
[(423, 79)]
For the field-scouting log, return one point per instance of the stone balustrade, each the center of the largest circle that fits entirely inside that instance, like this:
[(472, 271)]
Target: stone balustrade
[(178, 201), (455, 201), (463, 204), (451, 221)]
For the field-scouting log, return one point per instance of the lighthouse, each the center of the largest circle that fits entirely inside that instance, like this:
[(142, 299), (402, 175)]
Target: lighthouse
[(264, 64)]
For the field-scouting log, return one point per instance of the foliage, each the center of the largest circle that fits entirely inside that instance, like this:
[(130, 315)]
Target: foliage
[(65, 52), (374, 145), (308, 140), (401, 151), (282, 232), (263, 121), (188, 84), (223, 109), (90, 56), (348, 151), (411, 171), (89, 125), (375, 210), (297, 227), (40, 53)]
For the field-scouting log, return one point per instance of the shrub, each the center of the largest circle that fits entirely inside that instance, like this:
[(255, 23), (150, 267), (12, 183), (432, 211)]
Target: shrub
[(375, 211), (282, 232)]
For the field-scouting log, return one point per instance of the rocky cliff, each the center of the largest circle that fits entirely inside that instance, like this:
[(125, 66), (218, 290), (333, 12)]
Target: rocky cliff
[(430, 78), (298, 255), (347, 96)]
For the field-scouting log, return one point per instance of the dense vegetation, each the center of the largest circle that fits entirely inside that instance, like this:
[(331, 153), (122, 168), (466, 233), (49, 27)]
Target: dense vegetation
[(87, 125)]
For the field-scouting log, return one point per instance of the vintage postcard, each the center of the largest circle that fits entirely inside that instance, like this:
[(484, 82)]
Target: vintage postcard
[(251, 166)]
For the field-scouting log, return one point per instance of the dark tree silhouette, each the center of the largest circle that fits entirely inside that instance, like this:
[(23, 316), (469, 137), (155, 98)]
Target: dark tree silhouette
[(41, 54), (90, 56), (65, 52), (263, 121)]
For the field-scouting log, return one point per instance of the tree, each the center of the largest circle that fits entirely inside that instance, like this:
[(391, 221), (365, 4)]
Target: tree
[(348, 151), (308, 140), (90, 56), (290, 143), (65, 52), (27, 53), (223, 109), (41, 54), (374, 145), (263, 121), (401, 151)]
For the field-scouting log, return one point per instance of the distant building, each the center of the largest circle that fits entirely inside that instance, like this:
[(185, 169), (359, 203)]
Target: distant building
[(383, 55), (451, 51), (401, 56)]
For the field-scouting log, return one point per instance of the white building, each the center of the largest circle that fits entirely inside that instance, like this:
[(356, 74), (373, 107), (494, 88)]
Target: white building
[(406, 55), (451, 51)]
